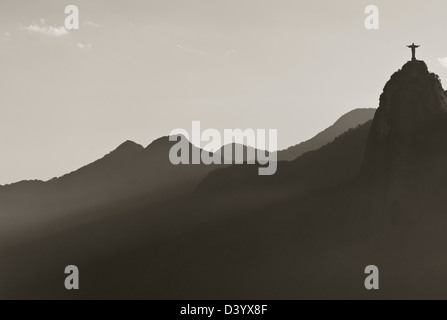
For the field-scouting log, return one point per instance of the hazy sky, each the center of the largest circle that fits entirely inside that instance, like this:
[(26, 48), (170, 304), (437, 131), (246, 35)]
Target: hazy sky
[(137, 69)]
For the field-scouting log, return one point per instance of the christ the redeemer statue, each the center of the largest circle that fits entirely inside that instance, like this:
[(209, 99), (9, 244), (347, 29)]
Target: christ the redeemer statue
[(413, 48)]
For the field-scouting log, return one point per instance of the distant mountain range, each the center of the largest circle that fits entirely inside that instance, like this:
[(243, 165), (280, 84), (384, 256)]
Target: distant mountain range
[(130, 171), (118, 162)]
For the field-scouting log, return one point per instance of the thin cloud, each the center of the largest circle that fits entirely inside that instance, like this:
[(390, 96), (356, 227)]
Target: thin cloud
[(230, 53), (83, 46), (6, 36), (202, 53), (48, 31), (92, 24), (443, 62), (192, 51)]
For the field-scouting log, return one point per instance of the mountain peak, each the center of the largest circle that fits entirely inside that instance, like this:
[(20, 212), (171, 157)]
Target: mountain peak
[(128, 146), (347, 122), (411, 97), (416, 65), (159, 142), (411, 100)]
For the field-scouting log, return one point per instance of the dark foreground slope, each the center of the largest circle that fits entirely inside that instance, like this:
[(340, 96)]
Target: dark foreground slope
[(331, 165)]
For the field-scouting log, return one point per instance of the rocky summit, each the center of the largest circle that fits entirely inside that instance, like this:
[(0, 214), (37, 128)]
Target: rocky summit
[(404, 133)]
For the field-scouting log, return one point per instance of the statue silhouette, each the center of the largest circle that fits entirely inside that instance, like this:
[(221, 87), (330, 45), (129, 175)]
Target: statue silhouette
[(413, 48)]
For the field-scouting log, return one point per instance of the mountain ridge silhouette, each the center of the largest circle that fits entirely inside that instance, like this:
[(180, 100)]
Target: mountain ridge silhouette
[(346, 122)]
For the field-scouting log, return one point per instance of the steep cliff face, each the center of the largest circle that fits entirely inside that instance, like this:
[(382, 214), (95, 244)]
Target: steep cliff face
[(410, 99), (400, 143)]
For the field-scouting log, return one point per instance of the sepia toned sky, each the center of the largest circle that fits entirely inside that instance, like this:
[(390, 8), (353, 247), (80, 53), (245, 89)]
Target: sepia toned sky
[(137, 69)]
